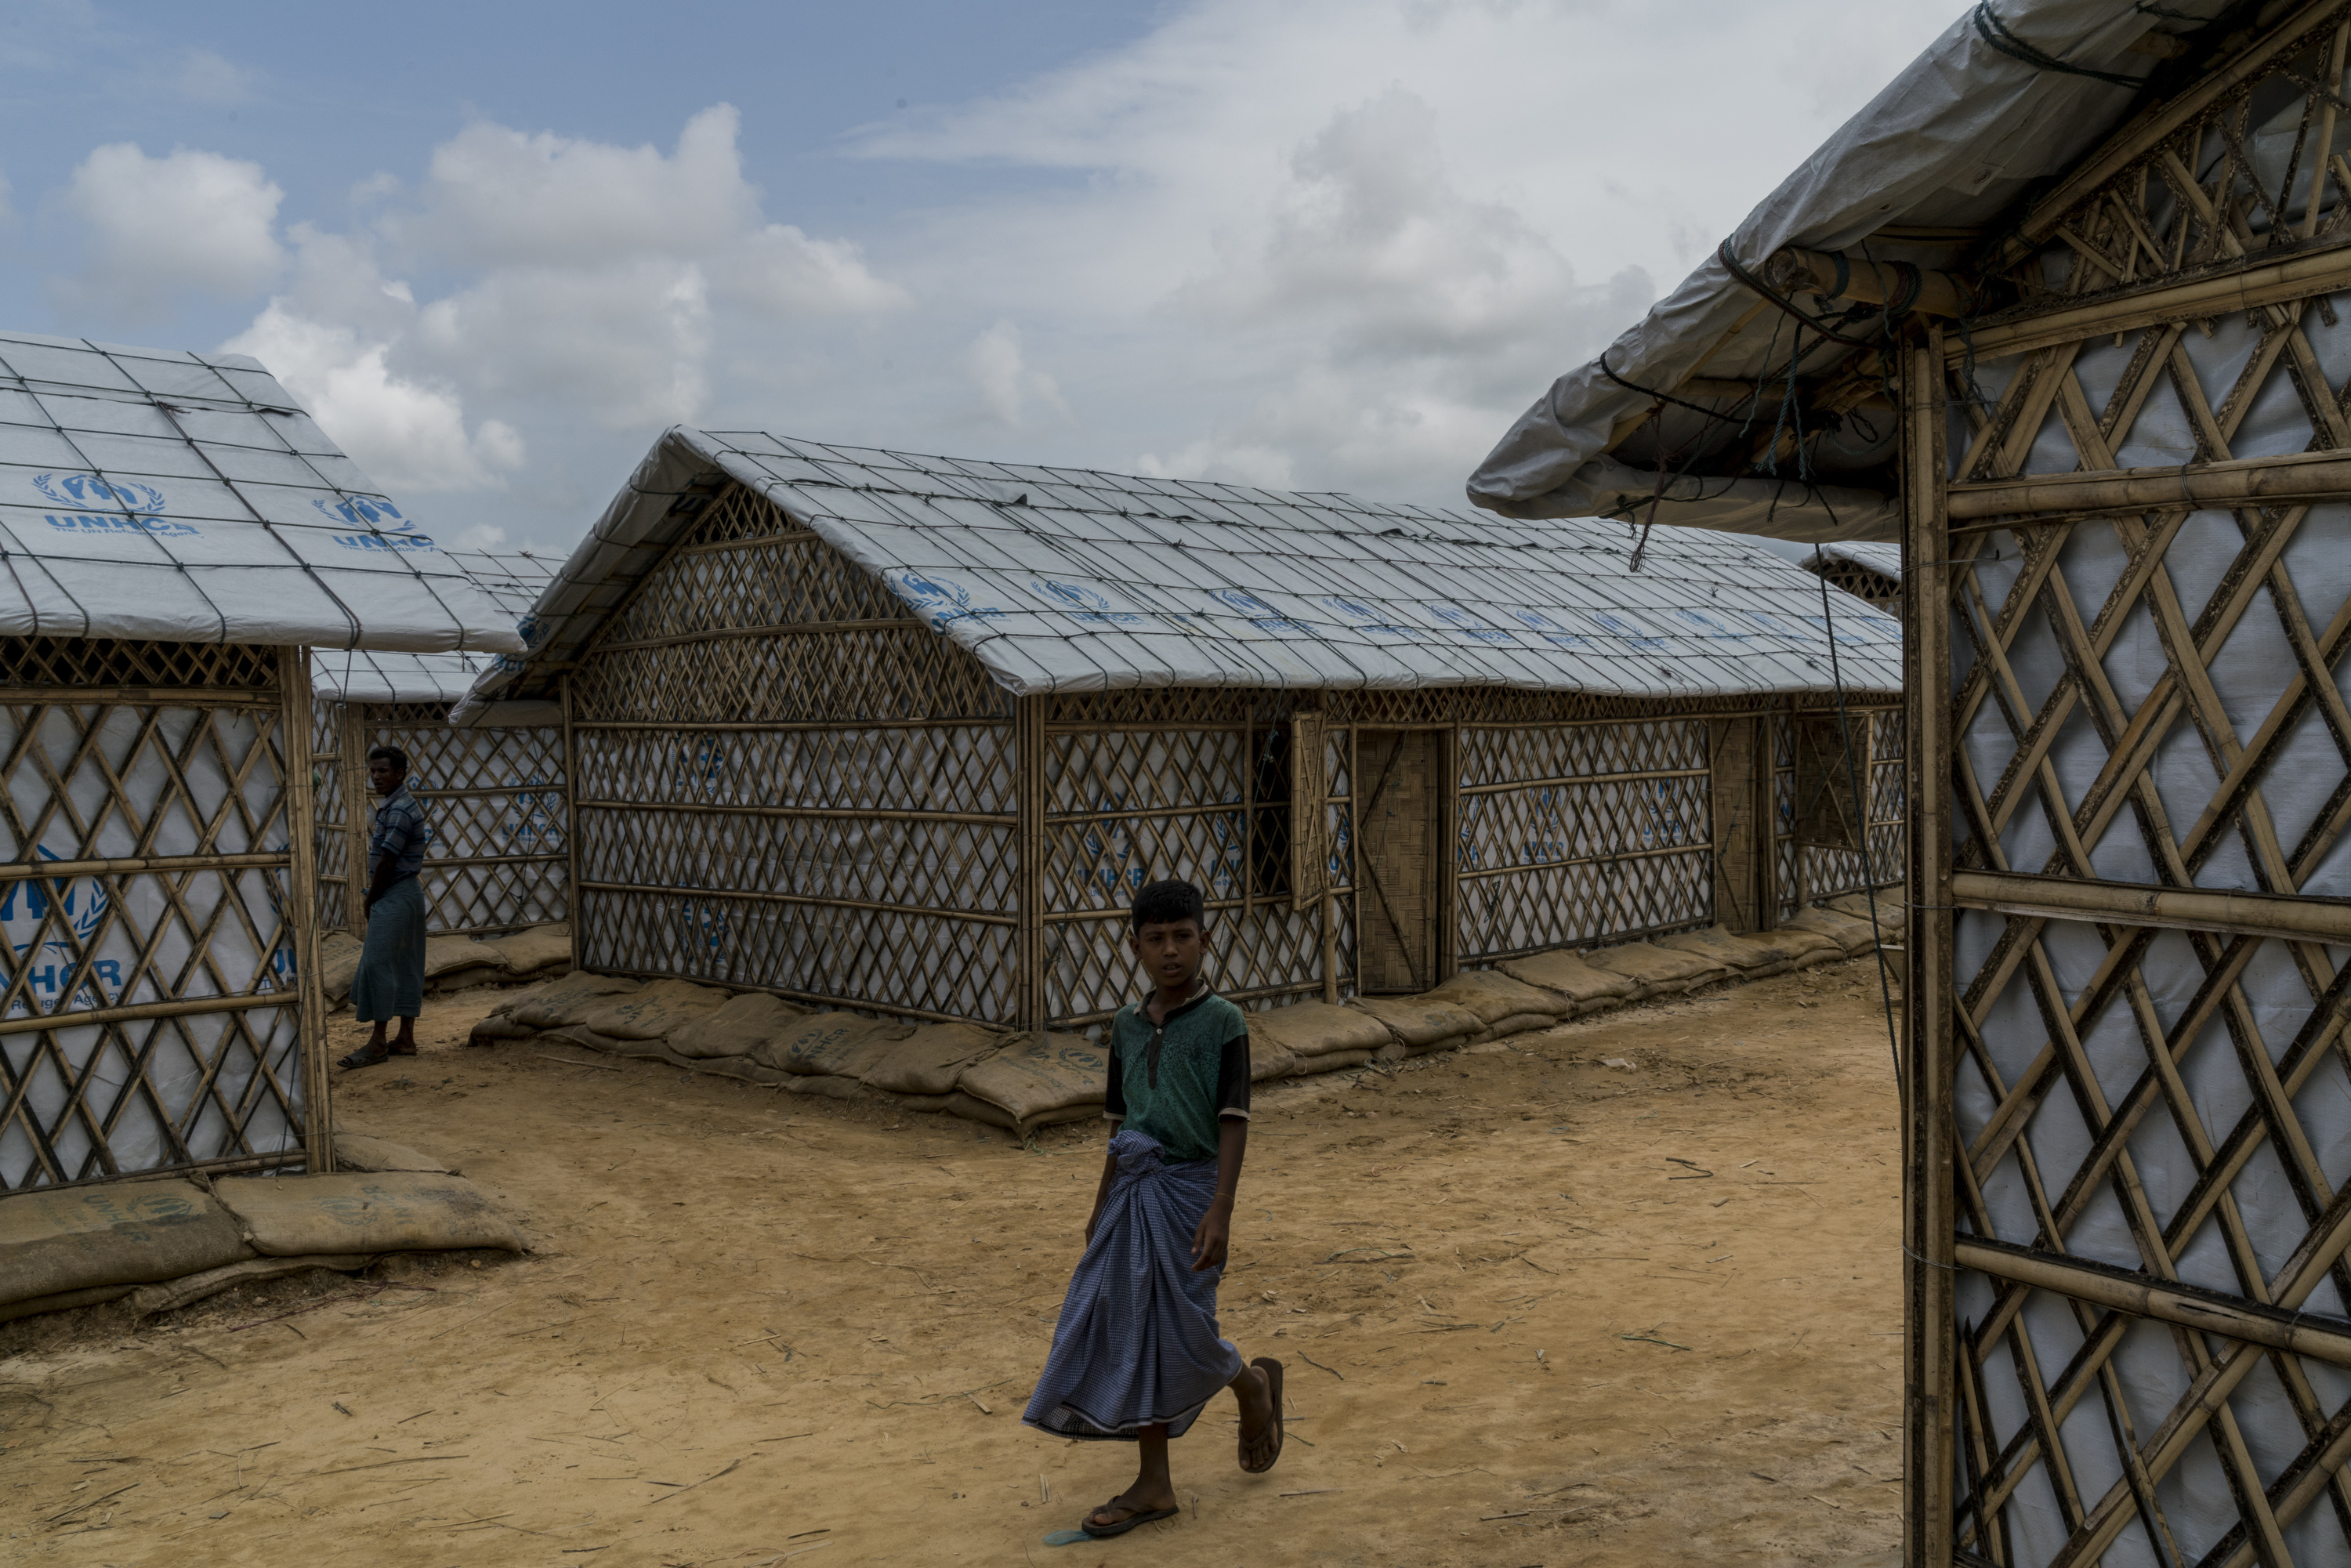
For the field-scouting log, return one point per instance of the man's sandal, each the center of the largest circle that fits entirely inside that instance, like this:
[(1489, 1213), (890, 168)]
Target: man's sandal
[(1104, 1531), (1272, 1370), (399, 1049), (367, 1056)]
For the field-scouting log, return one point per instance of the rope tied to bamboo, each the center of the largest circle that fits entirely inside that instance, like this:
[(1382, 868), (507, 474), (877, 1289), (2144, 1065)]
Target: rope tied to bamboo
[(1994, 32)]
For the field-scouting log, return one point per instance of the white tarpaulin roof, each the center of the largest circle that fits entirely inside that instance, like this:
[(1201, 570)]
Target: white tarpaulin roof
[(1067, 579), (1951, 144), (1885, 559), (513, 579), (147, 493)]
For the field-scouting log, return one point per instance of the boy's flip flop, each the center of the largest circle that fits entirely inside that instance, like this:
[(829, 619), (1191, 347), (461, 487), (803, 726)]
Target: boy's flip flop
[(1104, 1531), (1272, 1370)]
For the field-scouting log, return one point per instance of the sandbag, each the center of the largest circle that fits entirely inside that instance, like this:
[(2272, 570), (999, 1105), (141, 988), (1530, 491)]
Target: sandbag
[(1333, 1061), (293, 1216), (1853, 938), (973, 1109), (1516, 1023), (739, 1027), (540, 947), (338, 961), (496, 1030), (1033, 1077), (96, 1295), (1313, 1029), (1268, 1058), (1570, 977), (443, 955), (655, 1012), (565, 1001), (1492, 996), (169, 1295), (470, 975), (115, 1233), (365, 1151), (824, 1086), (587, 1039), (740, 1068), (1890, 914), (1422, 1021), (1658, 971), (929, 1061), (835, 1044), (1754, 955)]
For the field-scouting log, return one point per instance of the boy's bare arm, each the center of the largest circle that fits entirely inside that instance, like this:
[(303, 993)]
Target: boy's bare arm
[(1102, 1193), (1214, 1238)]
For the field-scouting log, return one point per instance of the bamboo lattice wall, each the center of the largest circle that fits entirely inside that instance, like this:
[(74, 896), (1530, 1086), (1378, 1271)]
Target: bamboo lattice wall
[(496, 798), (2128, 1190), (158, 1009), (783, 779)]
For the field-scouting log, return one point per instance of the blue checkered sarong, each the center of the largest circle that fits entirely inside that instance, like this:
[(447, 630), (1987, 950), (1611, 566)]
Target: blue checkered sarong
[(1137, 1342)]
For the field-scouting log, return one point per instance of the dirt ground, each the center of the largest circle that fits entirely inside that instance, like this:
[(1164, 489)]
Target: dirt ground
[(1535, 1309)]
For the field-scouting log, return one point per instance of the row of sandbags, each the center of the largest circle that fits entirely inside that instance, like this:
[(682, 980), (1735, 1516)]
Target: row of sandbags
[(166, 1242), (454, 962), (1025, 1080)]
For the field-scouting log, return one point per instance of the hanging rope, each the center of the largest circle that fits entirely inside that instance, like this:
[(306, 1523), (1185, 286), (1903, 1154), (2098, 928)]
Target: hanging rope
[(1739, 272), (1995, 33)]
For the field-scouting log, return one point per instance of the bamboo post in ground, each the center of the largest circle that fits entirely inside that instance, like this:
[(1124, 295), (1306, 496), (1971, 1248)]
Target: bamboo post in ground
[(1028, 861), (1930, 1343), (358, 812), (1329, 947), (301, 908), (573, 901)]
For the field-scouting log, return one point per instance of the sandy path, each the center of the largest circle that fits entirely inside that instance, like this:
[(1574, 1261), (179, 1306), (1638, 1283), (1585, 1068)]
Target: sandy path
[(1520, 1328)]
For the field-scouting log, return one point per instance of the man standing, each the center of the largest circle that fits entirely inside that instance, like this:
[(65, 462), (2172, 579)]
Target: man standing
[(391, 980)]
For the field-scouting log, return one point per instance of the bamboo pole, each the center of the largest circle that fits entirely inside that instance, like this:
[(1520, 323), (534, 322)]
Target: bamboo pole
[(781, 629), (1447, 852), (19, 871), (2166, 1300), (2321, 267), (571, 897), (2294, 918), (1792, 269), (302, 911), (1930, 1347), (2153, 127), (761, 895), (1330, 946), (780, 727), (1613, 858), (2245, 481), (1028, 862), (857, 813), (133, 1013), (2325, 140), (1586, 779), (358, 817)]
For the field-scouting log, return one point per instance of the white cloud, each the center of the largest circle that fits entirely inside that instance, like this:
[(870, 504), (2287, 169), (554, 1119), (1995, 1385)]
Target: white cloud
[(1002, 377), (160, 227), (624, 345), (407, 435)]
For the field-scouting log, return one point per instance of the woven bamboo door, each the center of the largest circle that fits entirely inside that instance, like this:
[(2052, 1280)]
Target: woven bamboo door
[(2128, 1143), (1400, 851), (1741, 830)]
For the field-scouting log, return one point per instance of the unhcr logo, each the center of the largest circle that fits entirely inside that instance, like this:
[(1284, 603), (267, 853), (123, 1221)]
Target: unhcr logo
[(1080, 602), (32, 911), (384, 541), (1261, 614), (365, 511), (937, 599), (101, 506)]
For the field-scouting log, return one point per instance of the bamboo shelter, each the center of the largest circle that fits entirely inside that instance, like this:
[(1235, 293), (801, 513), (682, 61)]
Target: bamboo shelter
[(496, 790), (2070, 297), (178, 534), (904, 734), (1870, 570)]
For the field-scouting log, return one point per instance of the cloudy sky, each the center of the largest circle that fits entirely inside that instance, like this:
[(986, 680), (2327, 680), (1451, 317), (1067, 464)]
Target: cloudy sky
[(496, 247)]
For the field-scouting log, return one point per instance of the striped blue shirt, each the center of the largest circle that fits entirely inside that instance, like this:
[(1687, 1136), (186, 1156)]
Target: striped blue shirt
[(400, 831)]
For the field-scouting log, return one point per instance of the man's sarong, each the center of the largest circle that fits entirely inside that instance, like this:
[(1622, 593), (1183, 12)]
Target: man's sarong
[(1137, 1342), (389, 982)]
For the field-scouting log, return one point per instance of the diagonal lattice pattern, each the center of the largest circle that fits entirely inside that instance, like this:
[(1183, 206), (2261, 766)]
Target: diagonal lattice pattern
[(193, 797), (2154, 699)]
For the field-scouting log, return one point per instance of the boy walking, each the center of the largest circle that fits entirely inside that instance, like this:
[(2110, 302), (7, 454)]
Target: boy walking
[(1136, 1355)]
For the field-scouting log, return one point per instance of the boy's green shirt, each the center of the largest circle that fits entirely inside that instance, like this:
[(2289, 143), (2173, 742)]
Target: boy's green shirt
[(1201, 1075)]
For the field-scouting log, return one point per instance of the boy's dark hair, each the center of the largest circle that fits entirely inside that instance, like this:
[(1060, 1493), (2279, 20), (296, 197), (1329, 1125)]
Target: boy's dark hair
[(1165, 903), (391, 754)]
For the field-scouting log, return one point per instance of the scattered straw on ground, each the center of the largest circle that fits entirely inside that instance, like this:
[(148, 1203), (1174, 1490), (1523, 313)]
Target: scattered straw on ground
[(1535, 1309)]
